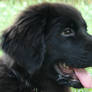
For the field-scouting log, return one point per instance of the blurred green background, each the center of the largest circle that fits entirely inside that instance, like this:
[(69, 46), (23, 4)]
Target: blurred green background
[(9, 10)]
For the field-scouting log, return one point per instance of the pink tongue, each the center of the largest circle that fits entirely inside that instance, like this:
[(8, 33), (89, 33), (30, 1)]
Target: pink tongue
[(84, 77)]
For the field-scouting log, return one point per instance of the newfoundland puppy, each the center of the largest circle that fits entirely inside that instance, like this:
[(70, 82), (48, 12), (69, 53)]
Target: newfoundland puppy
[(46, 50)]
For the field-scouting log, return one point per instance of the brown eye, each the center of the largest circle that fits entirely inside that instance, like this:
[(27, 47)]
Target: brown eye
[(68, 32)]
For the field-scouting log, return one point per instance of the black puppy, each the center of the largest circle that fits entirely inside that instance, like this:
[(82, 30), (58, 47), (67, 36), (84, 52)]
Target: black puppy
[(46, 50)]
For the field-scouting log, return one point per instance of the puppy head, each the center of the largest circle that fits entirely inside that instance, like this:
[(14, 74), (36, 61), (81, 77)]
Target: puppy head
[(49, 37)]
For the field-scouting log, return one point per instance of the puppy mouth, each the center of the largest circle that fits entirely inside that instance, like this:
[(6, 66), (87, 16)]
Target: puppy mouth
[(66, 71), (78, 75)]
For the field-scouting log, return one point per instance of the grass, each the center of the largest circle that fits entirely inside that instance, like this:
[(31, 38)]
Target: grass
[(10, 8)]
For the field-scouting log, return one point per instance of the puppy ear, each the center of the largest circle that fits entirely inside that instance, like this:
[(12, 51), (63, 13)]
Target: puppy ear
[(25, 41)]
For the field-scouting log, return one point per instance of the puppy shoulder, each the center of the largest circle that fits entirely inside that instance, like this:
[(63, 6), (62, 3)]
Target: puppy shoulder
[(7, 84)]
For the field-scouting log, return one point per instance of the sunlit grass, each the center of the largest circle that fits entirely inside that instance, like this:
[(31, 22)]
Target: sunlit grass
[(9, 10)]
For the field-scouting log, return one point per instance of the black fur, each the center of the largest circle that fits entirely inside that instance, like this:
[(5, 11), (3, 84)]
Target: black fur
[(36, 42)]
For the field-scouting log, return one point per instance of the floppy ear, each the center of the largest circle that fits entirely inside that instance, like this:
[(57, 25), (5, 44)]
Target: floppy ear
[(25, 41)]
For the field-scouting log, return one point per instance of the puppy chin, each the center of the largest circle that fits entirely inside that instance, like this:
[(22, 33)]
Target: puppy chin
[(74, 84)]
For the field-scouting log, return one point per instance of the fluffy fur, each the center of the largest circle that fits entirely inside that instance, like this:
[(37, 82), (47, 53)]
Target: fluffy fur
[(43, 36)]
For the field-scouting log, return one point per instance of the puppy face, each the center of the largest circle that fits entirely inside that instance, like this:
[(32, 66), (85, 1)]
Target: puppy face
[(51, 39), (68, 47)]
